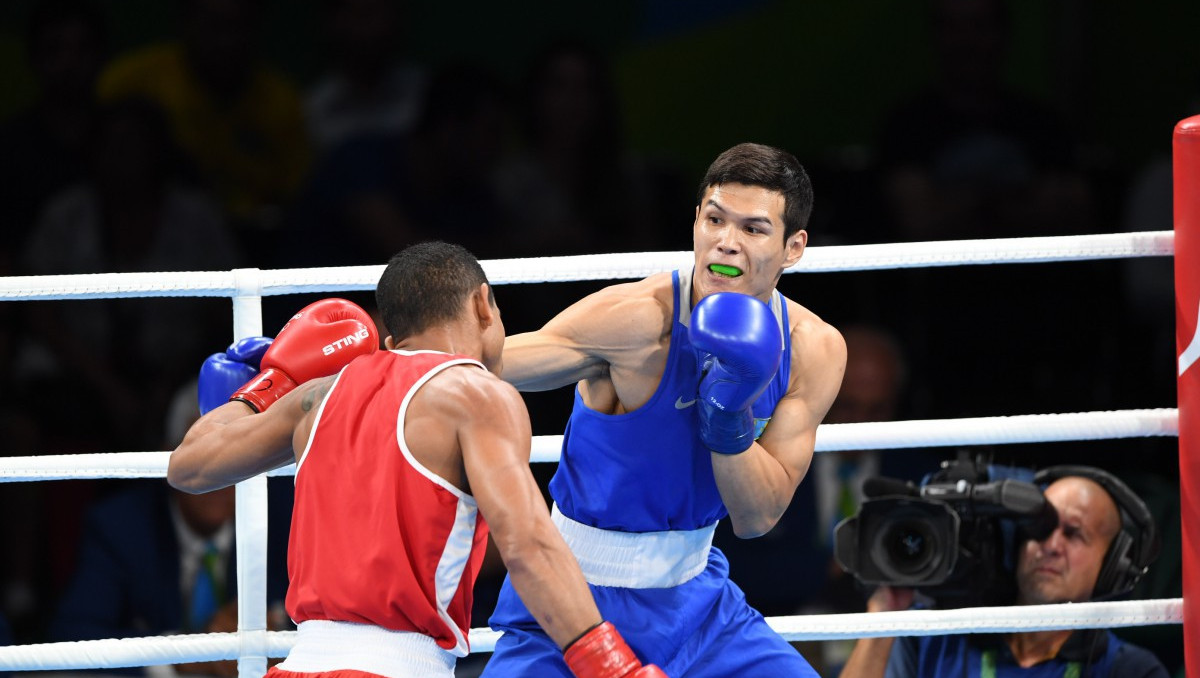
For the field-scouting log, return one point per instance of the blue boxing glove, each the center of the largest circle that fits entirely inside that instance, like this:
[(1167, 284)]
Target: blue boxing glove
[(740, 347), (224, 373)]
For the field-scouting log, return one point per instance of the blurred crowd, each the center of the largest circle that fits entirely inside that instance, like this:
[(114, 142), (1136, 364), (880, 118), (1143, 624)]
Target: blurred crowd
[(195, 152)]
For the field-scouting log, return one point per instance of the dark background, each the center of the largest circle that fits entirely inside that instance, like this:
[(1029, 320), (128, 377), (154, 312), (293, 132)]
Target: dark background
[(820, 80)]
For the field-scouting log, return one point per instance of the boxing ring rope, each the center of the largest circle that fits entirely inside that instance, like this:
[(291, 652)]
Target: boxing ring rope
[(889, 435), (249, 283), (218, 646), (253, 644)]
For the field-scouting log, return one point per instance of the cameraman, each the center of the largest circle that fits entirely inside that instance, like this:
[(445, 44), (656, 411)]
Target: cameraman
[(1062, 568)]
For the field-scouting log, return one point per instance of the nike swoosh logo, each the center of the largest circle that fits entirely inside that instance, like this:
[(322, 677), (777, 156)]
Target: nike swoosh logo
[(681, 405)]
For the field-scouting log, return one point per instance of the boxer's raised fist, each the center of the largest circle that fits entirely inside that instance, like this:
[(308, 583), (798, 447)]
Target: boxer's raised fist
[(740, 348), (317, 342), (223, 373)]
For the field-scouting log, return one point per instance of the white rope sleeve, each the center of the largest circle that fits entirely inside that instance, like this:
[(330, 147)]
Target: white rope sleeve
[(119, 652), (987, 251), (980, 620), (122, 652), (1026, 428), (595, 267), (93, 465), (830, 438)]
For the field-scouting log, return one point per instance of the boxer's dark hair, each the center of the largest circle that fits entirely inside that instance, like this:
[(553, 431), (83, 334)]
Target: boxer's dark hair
[(426, 284), (770, 168)]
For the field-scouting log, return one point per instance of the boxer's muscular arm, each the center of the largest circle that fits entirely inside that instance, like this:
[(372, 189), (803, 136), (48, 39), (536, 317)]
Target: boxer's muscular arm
[(613, 326), (757, 485), (493, 432), (227, 445), (494, 435), (467, 409), (232, 443)]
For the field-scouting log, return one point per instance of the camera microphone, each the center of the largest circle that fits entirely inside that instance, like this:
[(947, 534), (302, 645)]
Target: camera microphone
[(1035, 514), (1042, 524), (881, 486)]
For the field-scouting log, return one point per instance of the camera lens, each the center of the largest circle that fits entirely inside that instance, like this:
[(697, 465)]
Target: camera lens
[(910, 546), (914, 544)]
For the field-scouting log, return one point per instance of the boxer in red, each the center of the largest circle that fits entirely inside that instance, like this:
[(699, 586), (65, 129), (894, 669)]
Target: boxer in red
[(405, 458)]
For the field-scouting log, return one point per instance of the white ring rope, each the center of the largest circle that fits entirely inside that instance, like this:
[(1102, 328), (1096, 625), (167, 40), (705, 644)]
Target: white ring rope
[(247, 286), (830, 438), (1025, 428), (980, 619), (121, 652), (591, 267)]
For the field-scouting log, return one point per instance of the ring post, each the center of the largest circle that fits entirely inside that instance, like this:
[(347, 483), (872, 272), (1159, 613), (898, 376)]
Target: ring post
[(1186, 160), (250, 510)]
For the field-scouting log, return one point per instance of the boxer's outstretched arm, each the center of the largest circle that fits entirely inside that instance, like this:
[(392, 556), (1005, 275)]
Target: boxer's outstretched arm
[(233, 443), (618, 324)]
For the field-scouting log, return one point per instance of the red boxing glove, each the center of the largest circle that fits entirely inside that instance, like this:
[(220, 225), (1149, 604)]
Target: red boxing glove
[(603, 653), (317, 342)]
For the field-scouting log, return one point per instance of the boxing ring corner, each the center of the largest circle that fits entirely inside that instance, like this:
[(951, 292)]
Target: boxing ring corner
[(1186, 172)]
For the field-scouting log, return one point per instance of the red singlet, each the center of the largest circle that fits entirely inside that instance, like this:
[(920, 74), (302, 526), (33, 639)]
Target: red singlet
[(376, 537)]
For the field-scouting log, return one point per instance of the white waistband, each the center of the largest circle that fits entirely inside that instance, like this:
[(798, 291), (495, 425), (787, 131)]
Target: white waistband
[(331, 645), (636, 560)]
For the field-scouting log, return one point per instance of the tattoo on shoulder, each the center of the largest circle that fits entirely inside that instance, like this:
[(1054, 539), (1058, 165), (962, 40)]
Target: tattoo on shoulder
[(314, 395)]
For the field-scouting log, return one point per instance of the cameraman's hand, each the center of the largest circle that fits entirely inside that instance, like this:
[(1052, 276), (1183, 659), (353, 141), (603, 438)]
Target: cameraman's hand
[(869, 659), (889, 599)]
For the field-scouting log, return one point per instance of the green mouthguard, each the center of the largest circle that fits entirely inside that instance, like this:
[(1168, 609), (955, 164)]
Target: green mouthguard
[(725, 270)]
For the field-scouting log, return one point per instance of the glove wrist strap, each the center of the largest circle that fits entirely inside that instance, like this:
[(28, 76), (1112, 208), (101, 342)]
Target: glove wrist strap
[(263, 390), (601, 653), (726, 432)]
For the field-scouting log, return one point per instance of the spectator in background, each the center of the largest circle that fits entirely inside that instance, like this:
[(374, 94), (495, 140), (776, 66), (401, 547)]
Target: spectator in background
[(109, 361), (154, 560), (43, 149), (44, 146), (380, 192), (967, 157), (1148, 283), (239, 120), (574, 186), (574, 157), (368, 88)]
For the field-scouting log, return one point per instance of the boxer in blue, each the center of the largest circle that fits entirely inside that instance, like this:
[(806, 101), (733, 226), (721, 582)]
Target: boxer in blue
[(698, 395)]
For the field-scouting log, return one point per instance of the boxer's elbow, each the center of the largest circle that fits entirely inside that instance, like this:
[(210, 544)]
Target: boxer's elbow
[(753, 522), (749, 529), (532, 550), (180, 476), (185, 471)]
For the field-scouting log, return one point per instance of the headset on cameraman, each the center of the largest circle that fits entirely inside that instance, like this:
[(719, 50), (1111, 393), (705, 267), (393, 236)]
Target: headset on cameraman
[(1134, 547)]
